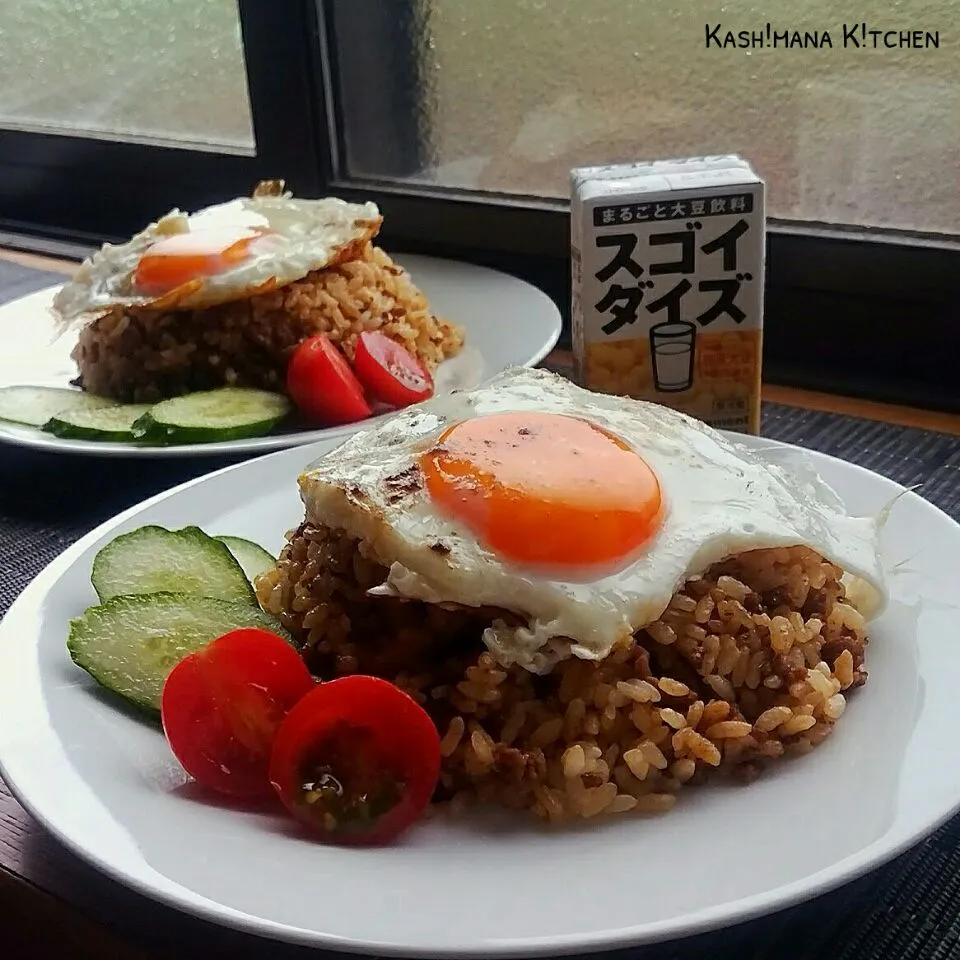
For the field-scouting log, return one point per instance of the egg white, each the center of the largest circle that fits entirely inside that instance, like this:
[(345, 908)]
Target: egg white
[(722, 499), (308, 236)]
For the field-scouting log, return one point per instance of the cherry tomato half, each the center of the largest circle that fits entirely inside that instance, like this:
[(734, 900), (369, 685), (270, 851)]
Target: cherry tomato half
[(389, 371), (322, 385), (356, 760), (221, 708)]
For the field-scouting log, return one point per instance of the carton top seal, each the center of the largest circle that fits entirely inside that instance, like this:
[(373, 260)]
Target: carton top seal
[(697, 173)]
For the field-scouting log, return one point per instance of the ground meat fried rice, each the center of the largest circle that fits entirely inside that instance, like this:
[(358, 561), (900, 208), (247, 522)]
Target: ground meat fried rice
[(750, 662), (143, 355)]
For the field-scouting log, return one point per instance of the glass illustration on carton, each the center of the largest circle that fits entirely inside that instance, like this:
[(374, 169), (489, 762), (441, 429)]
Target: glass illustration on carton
[(668, 261)]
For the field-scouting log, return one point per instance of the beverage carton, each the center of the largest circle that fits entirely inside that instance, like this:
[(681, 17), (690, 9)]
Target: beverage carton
[(668, 268)]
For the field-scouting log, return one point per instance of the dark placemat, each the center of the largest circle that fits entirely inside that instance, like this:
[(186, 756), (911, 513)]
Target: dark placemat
[(908, 910), (17, 281)]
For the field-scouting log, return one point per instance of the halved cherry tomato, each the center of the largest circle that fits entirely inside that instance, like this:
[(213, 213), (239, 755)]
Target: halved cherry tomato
[(357, 760), (221, 708), (389, 371), (322, 385)]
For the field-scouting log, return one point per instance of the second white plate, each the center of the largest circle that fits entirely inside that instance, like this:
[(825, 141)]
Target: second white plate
[(507, 321)]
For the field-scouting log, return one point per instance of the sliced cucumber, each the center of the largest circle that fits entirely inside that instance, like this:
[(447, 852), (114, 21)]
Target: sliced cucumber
[(251, 556), (35, 406), (130, 644), (153, 559), (97, 423), (230, 413)]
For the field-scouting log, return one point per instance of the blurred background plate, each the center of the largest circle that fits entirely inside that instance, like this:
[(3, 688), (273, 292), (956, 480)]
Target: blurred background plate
[(508, 322)]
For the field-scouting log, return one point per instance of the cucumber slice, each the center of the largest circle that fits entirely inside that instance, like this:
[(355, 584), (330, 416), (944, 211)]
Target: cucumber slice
[(230, 413), (97, 423), (35, 406), (252, 558), (153, 559), (130, 644)]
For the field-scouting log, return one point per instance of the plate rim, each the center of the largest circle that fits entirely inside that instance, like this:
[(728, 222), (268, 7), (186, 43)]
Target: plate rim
[(35, 440), (676, 929)]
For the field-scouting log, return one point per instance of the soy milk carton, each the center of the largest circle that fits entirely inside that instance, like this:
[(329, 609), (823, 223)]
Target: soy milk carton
[(668, 267)]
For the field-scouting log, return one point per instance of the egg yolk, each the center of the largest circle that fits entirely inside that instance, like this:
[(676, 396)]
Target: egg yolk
[(545, 490), (182, 257)]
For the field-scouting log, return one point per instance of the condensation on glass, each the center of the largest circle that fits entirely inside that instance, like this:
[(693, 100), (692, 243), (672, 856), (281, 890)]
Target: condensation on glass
[(155, 71), (513, 93)]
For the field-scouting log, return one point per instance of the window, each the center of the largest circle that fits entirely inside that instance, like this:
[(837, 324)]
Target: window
[(138, 72), (114, 111), (462, 119), (508, 95)]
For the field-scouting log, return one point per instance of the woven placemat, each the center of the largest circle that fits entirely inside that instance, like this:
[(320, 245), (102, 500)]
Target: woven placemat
[(17, 281), (907, 910)]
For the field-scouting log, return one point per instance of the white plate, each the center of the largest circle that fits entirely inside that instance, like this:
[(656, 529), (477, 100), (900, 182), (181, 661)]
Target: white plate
[(106, 785), (507, 322)]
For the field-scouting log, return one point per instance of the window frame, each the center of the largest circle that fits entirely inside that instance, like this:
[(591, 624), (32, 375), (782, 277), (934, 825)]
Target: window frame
[(844, 304), (846, 259), (85, 189), (856, 289)]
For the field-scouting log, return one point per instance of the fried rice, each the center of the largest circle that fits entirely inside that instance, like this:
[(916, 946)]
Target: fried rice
[(750, 663), (144, 356)]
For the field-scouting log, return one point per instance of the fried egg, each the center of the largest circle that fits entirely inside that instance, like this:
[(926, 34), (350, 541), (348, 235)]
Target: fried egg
[(580, 514), (226, 252)]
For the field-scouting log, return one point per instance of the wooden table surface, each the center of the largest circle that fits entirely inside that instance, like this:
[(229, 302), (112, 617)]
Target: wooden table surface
[(51, 899)]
